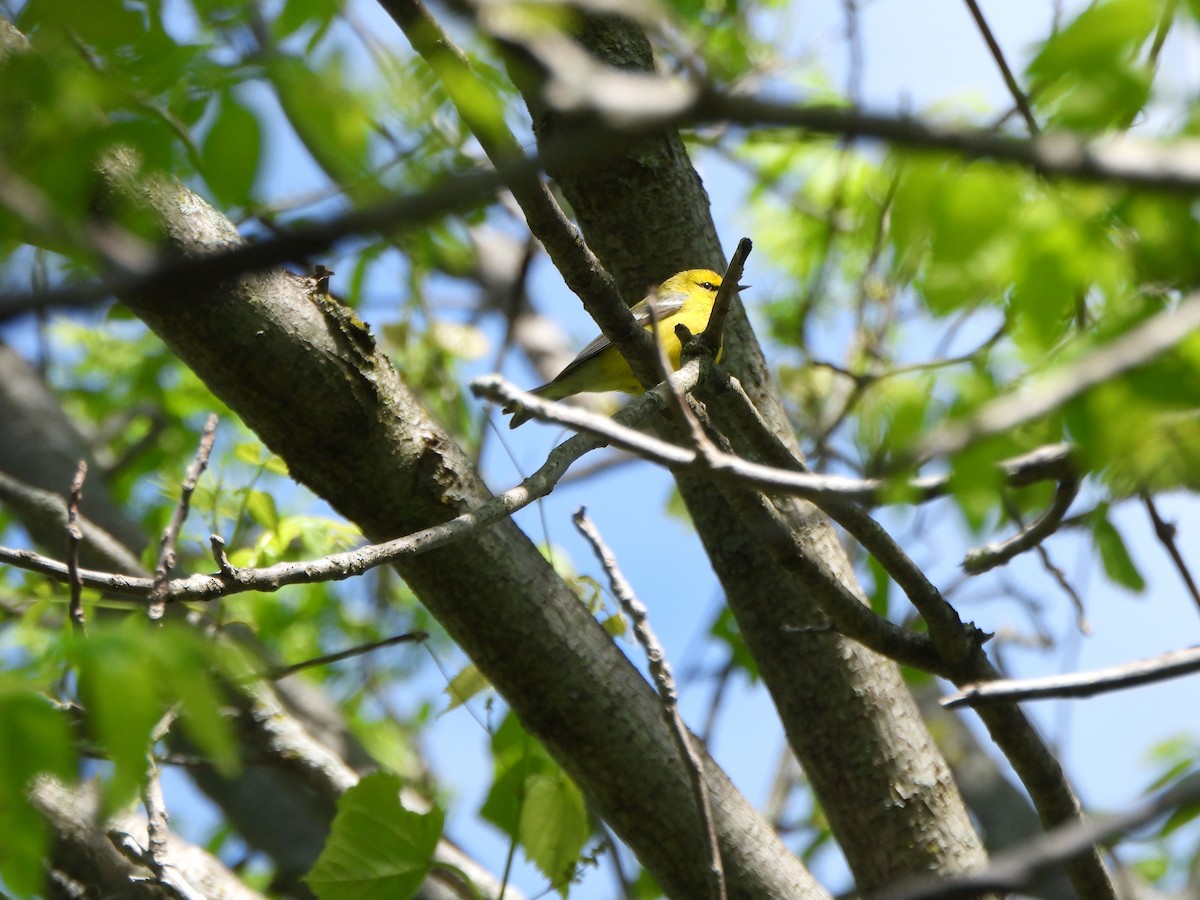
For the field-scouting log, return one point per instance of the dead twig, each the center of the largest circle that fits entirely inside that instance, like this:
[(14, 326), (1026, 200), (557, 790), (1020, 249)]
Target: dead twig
[(664, 681), (74, 539), (170, 535)]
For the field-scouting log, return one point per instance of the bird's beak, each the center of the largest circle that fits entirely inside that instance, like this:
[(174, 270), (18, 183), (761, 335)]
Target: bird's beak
[(743, 287)]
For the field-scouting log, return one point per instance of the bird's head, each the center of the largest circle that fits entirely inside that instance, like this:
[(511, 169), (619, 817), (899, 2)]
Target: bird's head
[(689, 281)]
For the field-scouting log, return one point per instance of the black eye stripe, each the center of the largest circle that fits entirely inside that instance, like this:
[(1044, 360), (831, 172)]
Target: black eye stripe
[(708, 285)]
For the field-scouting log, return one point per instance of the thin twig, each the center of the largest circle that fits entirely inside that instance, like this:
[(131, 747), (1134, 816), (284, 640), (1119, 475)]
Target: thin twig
[(609, 840), (1060, 577), (1017, 869), (709, 342), (1043, 464), (74, 539), (224, 566), (1134, 348), (1165, 666), (723, 680), (155, 856), (513, 303), (664, 681), (1010, 80), (832, 229), (1052, 568), (783, 782), (804, 484), (675, 395), (408, 638), (157, 818), (981, 559), (170, 536), (1165, 532)]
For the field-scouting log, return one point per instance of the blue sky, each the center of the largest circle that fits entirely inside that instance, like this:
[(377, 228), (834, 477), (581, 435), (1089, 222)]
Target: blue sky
[(917, 54)]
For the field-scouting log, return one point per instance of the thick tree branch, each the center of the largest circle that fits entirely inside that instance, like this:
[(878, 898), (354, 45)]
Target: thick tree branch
[(959, 649), (258, 341), (85, 850), (645, 213)]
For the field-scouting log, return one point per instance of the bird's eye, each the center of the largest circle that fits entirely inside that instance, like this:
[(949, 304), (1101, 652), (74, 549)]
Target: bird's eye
[(708, 285)]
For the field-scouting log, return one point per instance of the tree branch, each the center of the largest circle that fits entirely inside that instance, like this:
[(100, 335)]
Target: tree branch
[(170, 535), (1079, 684), (1017, 869), (997, 554), (660, 671), (1134, 348)]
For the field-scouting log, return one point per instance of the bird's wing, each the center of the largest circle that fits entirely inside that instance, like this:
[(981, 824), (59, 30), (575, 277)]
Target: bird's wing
[(665, 304)]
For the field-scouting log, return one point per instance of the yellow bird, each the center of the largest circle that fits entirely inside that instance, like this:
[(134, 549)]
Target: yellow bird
[(683, 299)]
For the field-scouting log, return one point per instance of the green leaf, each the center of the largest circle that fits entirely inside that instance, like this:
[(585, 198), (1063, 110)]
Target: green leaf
[(121, 693), (554, 826), (329, 118), (1118, 564), (377, 849), (516, 755), (1153, 867), (105, 26), (1097, 37), (231, 150), (34, 738), (185, 663), (256, 454), (977, 480), (129, 676), (893, 414), (465, 685), (725, 628), (297, 14), (616, 625), (953, 228), (1087, 76), (260, 506)]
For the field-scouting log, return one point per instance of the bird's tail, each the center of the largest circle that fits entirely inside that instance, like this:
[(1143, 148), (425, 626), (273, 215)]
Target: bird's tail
[(521, 416)]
